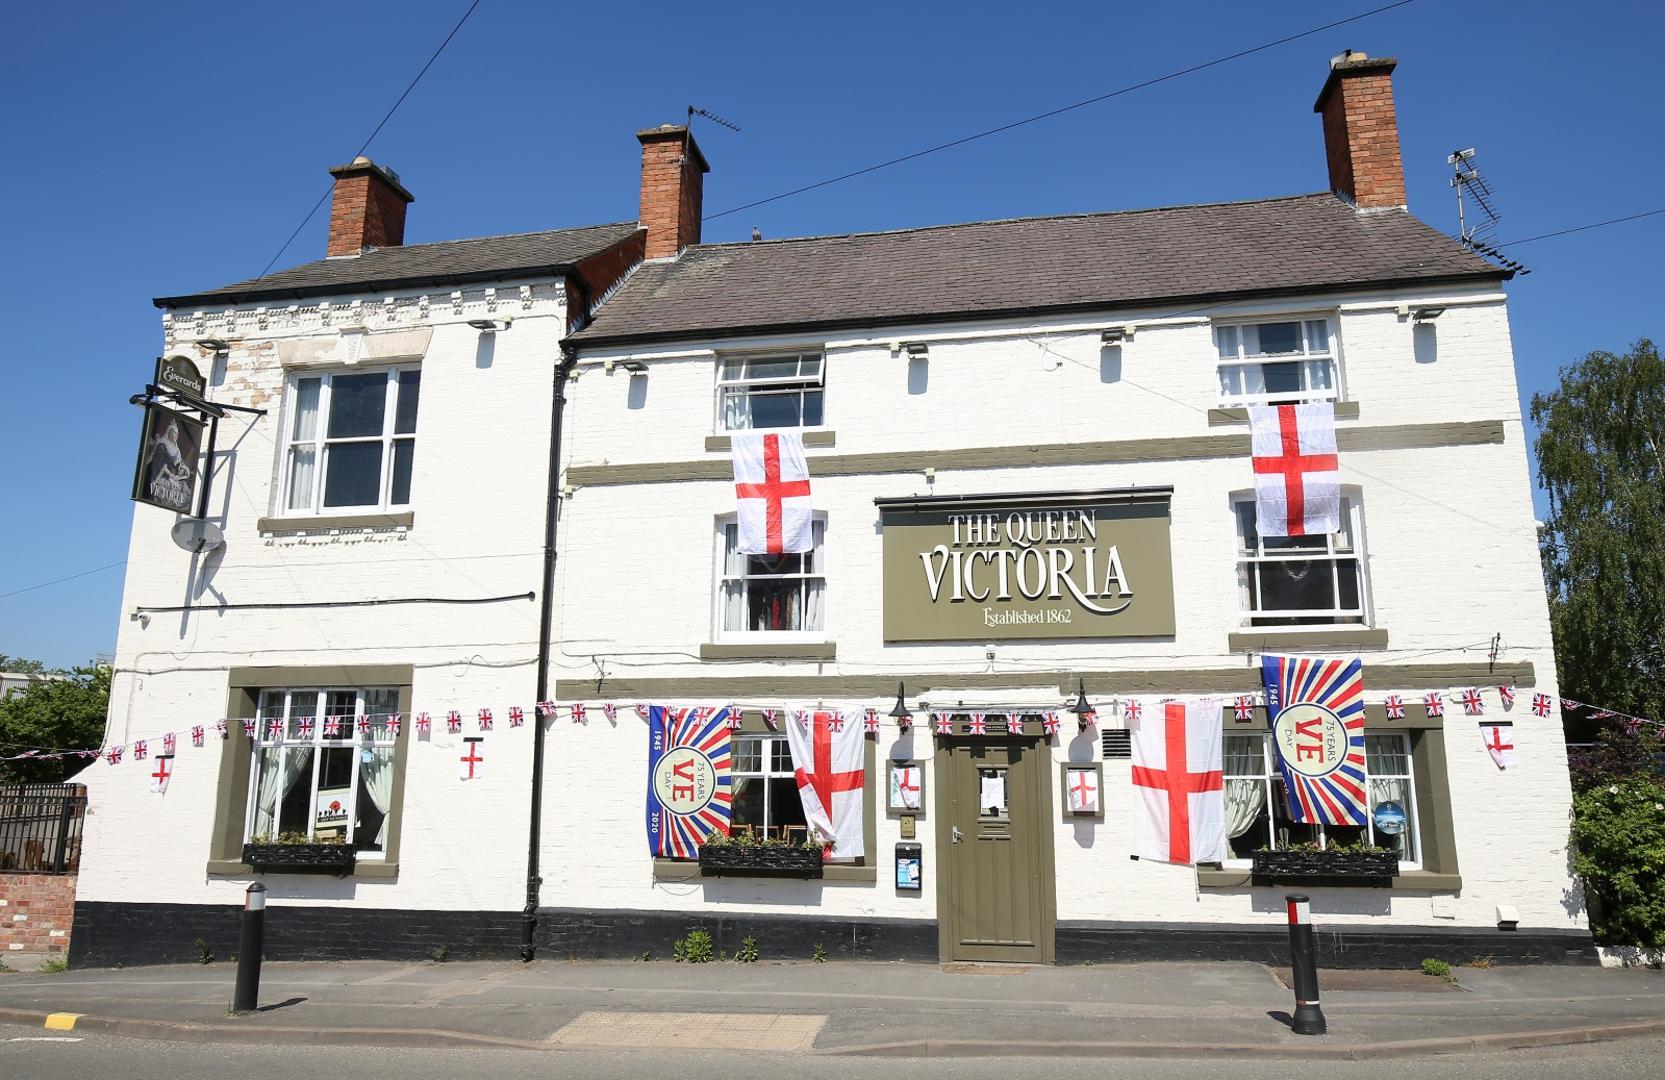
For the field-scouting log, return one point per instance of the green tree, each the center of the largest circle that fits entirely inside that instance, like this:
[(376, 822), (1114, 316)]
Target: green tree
[(56, 714), (1601, 458), (17, 665)]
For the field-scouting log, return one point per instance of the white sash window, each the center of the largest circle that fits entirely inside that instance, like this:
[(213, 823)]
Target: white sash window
[(770, 392), (1277, 363), (350, 440)]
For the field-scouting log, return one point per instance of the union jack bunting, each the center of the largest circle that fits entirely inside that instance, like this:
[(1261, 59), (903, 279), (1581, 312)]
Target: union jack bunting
[(1315, 710), (250, 725), (642, 710), (611, 712), (1507, 693), (168, 743), (771, 719), (1473, 704), (835, 722), (424, 723), (803, 717), (1433, 703), (306, 727), (1569, 704), (453, 721), (580, 715), (1014, 723), (547, 708), (332, 727), (1049, 721), (977, 725), (364, 725), (870, 721), (1243, 708), (1601, 714), (1132, 710), (1633, 725), (274, 728), (944, 723), (196, 735), (140, 749), (1540, 704), (485, 719), (393, 726), (223, 728), (517, 716), (114, 755), (1395, 706), (736, 720)]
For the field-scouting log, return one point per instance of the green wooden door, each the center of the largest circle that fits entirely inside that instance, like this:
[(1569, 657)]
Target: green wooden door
[(995, 892)]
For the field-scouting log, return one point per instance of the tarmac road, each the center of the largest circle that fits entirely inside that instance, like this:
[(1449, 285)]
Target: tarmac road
[(27, 1053)]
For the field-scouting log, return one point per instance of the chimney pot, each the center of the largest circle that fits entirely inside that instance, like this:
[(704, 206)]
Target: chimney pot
[(367, 208), (673, 183), (1361, 131)]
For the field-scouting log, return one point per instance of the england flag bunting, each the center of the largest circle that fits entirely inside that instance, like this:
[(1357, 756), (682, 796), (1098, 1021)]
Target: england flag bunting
[(1500, 743), (1316, 711), (1297, 482), (162, 774), (471, 765), (1179, 807), (771, 487), (690, 791), (829, 766)]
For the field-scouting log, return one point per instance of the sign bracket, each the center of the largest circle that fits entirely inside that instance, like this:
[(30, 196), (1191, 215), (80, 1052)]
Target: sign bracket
[(182, 372)]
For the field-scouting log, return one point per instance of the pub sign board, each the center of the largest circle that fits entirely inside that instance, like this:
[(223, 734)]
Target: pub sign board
[(169, 448), (180, 375), (1093, 564)]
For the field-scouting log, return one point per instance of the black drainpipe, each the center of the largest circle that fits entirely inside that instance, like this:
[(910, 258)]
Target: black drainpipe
[(546, 631)]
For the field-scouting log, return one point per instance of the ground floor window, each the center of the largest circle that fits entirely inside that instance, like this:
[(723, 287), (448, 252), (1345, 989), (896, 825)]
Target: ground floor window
[(323, 767), (766, 799), (1257, 809)]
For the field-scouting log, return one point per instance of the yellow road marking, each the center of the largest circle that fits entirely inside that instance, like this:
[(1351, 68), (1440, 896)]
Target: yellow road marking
[(62, 1021)]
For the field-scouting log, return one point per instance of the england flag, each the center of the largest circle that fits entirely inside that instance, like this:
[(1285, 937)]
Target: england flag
[(1297, 482), (828, 761), (1179, 807), (771, 488)]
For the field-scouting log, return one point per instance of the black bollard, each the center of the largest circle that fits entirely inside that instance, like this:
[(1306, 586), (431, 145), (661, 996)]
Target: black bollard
[(246, 998), (1309, 1018)]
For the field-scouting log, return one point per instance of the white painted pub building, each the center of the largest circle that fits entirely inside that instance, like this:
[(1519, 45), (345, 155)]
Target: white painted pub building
[(1030, 469)]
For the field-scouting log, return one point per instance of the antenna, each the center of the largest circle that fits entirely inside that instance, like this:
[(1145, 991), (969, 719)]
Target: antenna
[(1477, 235), (694, 110)]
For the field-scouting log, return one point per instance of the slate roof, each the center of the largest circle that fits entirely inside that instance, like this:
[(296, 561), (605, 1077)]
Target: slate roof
[(449, 262), (986, 269)]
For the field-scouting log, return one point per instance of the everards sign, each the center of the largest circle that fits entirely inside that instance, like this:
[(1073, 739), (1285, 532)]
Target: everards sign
[(1056, 565)]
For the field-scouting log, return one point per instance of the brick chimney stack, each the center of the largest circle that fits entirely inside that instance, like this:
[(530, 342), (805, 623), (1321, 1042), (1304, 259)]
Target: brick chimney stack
[(673, 183), (367, 209), (1361, 131)]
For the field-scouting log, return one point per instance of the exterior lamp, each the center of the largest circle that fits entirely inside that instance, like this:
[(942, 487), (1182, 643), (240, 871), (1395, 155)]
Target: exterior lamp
[(1426, 314), (1115, 335), (635, 367), (490, 326), (900, 713), (1082, 708), (217, 346), (916, 350)]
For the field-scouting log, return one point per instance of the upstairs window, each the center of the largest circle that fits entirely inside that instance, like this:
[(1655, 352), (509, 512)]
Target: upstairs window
[(1300, 580), (351, 440), (771, 594), (1276, 363), (770, 392)]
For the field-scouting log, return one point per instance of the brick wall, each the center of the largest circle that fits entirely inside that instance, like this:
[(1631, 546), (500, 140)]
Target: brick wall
[(36, 913), (1361, 134)]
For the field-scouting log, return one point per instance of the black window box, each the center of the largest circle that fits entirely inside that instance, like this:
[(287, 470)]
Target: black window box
[(719, 859), (337, 859), (1375, 868)]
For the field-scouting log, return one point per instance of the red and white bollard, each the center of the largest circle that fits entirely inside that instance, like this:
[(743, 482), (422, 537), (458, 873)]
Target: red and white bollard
[(1309, 1018)]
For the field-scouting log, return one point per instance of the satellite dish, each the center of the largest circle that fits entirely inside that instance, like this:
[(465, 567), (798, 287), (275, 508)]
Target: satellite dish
[(197, 535)]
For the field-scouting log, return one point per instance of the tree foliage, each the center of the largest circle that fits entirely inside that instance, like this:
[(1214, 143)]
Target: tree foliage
[(1619, 855), (17, 665), (56, 714), (1601, 458)]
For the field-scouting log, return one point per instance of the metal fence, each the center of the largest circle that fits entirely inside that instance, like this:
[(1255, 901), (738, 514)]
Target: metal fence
[(40, 827)]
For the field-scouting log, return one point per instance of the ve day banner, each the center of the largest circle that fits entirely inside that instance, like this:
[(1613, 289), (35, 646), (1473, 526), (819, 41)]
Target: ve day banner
[(1316, 711), (690, 792)]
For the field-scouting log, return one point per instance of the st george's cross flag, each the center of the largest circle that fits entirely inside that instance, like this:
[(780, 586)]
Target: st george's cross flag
[(771, 488), (1297, 478), (1500, 743), (1179, 803), (829, 763), (1316, 711), (690, 792)]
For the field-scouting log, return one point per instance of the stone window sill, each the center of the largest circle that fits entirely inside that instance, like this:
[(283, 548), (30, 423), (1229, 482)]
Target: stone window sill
[(765, 650), (1344, 410), (364, 871), (403, 519), (1296, 637), (688, 870), (1409, 881), (820, 439)]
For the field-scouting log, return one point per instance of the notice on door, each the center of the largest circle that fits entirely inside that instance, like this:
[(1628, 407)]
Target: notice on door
[(991, 801)]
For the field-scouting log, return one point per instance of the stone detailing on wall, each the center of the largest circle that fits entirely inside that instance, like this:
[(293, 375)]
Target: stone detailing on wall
[(36, 914)]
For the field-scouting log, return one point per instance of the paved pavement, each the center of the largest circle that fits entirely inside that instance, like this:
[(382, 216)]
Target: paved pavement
[(852, 1009)]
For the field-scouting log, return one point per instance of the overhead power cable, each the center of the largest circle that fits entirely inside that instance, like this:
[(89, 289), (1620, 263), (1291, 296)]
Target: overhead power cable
[(1584, 228), (1062, 109), (67, 577)]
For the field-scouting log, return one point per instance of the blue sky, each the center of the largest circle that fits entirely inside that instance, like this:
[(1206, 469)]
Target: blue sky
[(159, 149)]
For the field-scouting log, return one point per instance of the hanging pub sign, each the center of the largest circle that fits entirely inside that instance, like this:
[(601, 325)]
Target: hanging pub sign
[(179, 375), (1094, 564), (168, 451)]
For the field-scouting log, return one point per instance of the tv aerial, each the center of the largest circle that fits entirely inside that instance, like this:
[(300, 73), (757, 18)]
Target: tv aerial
[(1477, 229)]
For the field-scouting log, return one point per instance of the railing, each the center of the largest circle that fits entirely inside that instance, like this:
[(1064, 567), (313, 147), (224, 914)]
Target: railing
[(40, 827)]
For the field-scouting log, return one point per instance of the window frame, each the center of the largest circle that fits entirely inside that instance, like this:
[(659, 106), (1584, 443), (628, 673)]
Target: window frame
[(378, 739), (1307, 356), (1272, 789), (770, 386), (1352, 508), (321, 442), (771, 743), (721, 578)]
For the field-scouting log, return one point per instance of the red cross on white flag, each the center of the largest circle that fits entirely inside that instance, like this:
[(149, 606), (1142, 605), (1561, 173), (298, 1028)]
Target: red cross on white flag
[(1297, 482), (1395, 706), (164, 771), (828, 764), (1179, 806), (471, 766), (1083, 791), (771, 487), (907, 786), (1500, 743), (1540, 705)]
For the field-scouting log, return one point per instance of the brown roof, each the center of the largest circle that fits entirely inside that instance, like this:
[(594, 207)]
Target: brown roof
[(986, 269), (484, 258)]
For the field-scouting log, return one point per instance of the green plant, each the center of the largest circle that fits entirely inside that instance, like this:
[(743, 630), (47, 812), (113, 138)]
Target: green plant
[(1618, 838), (747, 953), (438, 954), (1437, 968), (1313, 845), (696, 948), (3, 966), (750, 839), (819, 954), (647, 955), (1483, 962), (204, 954), (294, 838), (56, 965)]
